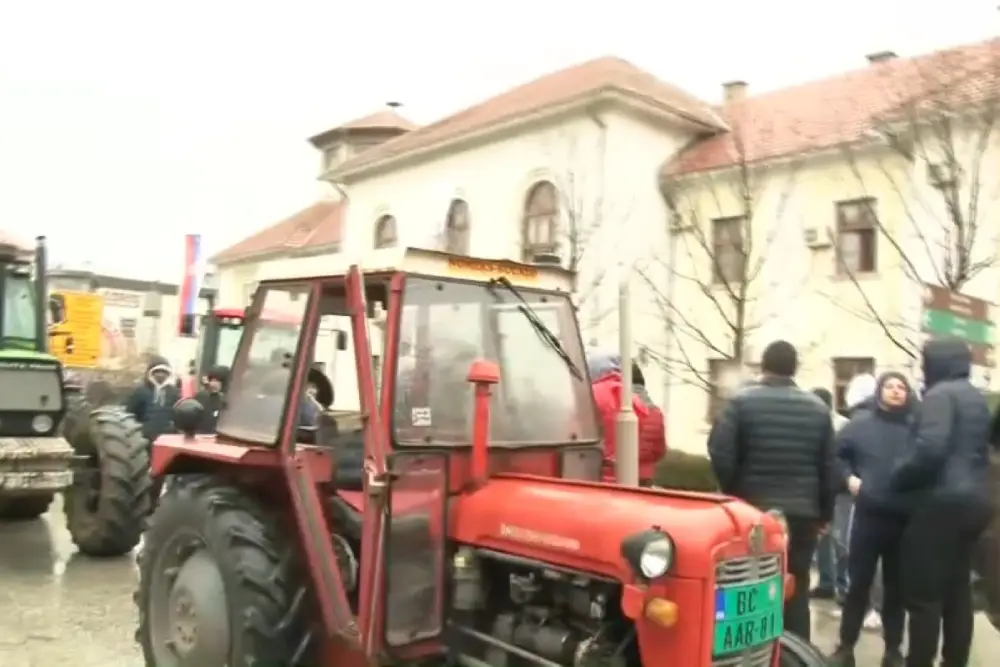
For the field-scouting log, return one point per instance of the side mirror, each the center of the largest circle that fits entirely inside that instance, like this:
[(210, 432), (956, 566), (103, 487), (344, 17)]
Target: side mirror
[(341, 341)]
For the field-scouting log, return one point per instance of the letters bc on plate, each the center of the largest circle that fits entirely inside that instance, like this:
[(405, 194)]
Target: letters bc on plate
[(747, 615)]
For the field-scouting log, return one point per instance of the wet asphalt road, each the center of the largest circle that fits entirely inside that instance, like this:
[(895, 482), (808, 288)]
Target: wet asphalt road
[(60, 608)]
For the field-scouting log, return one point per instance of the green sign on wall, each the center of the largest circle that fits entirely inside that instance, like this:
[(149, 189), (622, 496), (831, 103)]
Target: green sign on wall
[(944, 323)]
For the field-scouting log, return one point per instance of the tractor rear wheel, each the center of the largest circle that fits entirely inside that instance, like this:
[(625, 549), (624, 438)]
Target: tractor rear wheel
[(107, 505), (216, 582), (24, 508), (76, 422), (797, 652)]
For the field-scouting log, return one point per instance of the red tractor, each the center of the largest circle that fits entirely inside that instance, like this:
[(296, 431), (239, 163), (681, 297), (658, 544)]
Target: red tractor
[(461, 520), (220, 336)]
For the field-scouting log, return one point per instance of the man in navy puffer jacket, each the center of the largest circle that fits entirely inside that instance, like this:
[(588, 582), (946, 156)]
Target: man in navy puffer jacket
[(868, 448), (948, 466)]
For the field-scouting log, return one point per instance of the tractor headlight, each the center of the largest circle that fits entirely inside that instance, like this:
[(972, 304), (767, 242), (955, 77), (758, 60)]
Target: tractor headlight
[(650, 553), (41, 424), (779, 516)]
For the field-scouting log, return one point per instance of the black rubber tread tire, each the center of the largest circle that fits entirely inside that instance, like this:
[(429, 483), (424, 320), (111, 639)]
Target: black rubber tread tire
[(267, 605), (114, 528), (75, 425), (25, 508), (797, 652)]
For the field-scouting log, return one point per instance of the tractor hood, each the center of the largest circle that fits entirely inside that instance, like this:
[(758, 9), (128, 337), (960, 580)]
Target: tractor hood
[(581, 525)]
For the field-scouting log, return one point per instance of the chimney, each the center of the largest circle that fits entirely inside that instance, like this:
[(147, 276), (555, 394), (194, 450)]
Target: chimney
[(734, 91), (880, 57)]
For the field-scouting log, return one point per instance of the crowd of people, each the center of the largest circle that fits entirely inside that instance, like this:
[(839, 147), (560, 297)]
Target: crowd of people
[(893, 492)]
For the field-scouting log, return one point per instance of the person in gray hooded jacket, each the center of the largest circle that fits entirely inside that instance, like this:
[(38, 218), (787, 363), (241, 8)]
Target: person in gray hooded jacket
[(948, 467)]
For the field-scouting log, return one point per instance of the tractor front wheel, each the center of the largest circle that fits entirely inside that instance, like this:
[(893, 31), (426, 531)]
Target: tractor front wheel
[(107, 505), (216, 582), (797, 652), (24, 508)]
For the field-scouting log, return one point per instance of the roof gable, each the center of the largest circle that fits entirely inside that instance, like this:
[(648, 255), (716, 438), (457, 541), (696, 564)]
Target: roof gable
[(551, 90)]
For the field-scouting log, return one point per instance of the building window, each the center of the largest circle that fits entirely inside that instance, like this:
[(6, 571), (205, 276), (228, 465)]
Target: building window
[(541, 221), (385, 232), (456, 228), (844, 370), (857, 234), (727, 245)]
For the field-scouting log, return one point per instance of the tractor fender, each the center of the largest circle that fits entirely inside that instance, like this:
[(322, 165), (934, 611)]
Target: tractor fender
[(797, 652)]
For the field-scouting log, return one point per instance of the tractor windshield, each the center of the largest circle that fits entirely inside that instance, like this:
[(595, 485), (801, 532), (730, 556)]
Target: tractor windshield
[(19, 315), (543, 397), (262, 368)]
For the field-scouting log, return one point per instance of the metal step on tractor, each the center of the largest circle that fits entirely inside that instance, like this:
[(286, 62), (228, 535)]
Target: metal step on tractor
[(456, 516), (51, 441)]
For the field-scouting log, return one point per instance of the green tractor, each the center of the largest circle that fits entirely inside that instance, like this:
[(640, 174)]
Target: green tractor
[(51, 441)]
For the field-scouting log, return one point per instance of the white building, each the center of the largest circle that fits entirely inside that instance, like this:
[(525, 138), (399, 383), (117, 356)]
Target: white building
[(607, 166)]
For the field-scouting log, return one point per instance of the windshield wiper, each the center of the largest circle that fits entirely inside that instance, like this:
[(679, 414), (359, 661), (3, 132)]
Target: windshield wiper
[(536, 323)]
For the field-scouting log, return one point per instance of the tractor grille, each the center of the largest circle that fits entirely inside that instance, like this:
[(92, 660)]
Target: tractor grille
[(755, 657), (30, 390), (747, 569)]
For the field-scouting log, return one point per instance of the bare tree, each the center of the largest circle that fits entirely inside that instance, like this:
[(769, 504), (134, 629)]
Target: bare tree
[(575, 220), (715, 290), (937, 126)]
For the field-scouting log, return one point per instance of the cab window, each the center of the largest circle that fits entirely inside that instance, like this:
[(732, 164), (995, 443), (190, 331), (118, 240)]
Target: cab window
[(262, 370)]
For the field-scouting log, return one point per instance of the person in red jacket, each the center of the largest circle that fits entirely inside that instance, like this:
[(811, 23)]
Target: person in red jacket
[(606, 376)]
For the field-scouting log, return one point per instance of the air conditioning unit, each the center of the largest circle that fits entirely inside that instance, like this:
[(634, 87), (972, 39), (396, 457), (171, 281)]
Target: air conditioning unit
[(817, 237)]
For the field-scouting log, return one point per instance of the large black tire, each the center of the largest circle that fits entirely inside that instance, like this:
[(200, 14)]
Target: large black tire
[(77, 420), (25, 508), (215, 549), (797, 652), (107, 506)]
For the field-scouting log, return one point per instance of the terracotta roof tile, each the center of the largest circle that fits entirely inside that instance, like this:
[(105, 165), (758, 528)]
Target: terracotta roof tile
[(318, 225), (841, 109), (559, 87)]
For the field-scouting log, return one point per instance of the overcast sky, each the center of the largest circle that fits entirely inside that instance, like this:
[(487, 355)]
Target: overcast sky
[(126, 123)]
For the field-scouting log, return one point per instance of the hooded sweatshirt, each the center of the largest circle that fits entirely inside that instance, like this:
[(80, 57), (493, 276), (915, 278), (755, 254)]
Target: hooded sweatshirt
[(606, 376), (152, 402), (860, 394), (948, 459), (871, 443)]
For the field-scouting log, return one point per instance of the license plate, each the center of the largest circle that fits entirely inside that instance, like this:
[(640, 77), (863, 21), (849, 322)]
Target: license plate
[(748, 615)]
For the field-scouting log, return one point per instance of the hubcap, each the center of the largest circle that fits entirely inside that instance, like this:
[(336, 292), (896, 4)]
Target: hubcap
[(188, 613)]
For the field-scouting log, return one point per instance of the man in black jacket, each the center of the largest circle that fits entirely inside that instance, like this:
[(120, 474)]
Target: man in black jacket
[(211, 398), (948, 466), (773, 447)]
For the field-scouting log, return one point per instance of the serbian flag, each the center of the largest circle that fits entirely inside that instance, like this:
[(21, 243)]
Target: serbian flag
[(190, 286)]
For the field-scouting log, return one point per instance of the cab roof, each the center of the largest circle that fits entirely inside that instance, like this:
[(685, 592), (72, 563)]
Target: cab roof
[(420, 261)]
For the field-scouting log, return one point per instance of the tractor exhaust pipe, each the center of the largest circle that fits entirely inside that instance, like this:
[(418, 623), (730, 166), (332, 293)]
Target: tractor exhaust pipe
[(41, 295), (483, 374)]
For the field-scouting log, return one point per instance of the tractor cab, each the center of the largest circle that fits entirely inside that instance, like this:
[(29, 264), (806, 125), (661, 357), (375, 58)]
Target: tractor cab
[(219, 338), (454, 510)]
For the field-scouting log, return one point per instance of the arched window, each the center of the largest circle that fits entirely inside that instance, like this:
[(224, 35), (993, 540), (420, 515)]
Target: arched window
[(456, 228), (385, 232), (541, 220)]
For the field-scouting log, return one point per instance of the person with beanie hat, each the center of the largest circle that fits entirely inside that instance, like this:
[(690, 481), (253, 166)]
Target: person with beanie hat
[(606, 383), (948, 465), (772, 446)]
